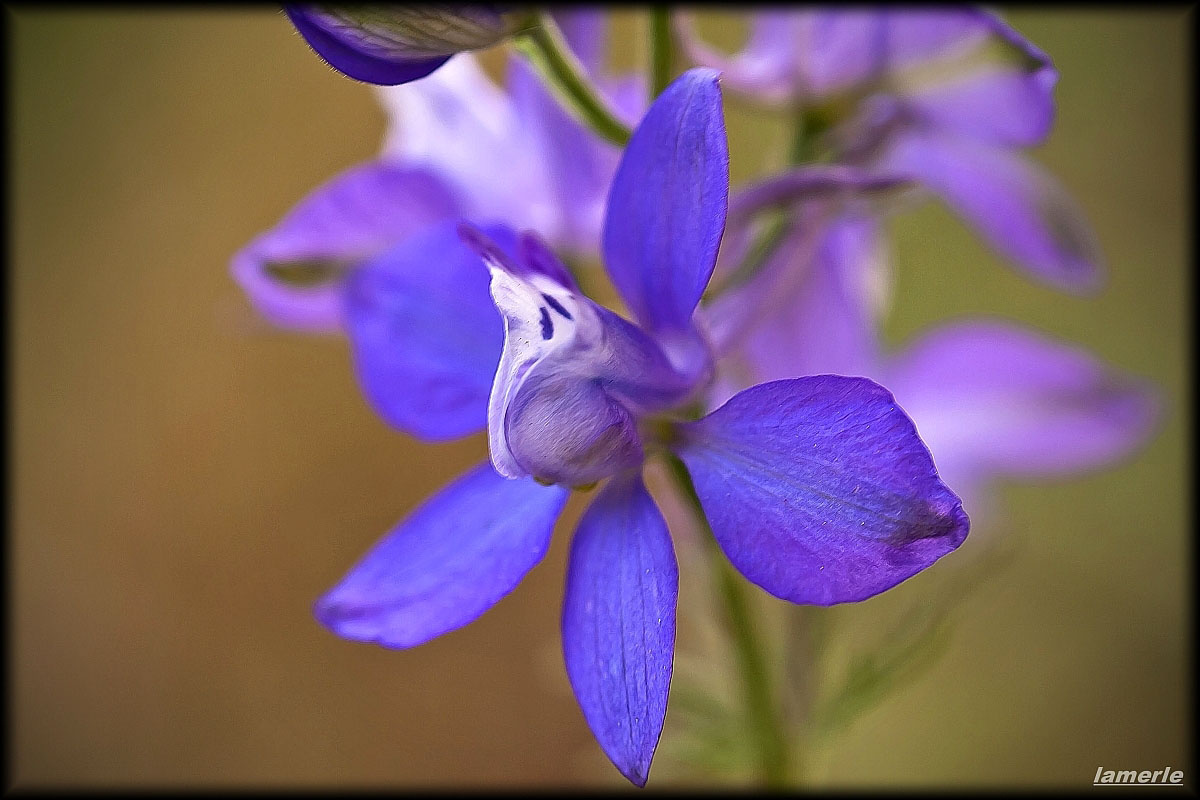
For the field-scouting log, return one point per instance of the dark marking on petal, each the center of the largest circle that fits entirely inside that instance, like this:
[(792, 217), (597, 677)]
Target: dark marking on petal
[(557, 306), (547, 325)]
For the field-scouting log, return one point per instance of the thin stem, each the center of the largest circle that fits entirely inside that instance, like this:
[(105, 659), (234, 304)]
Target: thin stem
[(661, 54), (551, 56), (762, 708)]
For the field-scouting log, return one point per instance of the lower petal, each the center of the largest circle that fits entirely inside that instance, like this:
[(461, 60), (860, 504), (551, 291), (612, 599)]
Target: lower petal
[(618, 625), (448, 562)]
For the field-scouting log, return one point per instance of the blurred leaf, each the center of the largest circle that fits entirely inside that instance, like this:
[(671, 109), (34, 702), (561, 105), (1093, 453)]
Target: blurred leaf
[(909, 649)]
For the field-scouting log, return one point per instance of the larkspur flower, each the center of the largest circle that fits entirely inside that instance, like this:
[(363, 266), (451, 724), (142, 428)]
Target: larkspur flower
[(391, 45), (817, 489), (947, 97)]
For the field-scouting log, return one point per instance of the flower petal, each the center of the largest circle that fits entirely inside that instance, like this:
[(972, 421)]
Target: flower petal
[(293, 272), (766, 67), (819, 490), (1021, 211), (618, 623), (998, 104), (346, 55), (666, 210), (424, 333), (468, 130), (992, 399), (449, 561), (579, 166), (817, 316)]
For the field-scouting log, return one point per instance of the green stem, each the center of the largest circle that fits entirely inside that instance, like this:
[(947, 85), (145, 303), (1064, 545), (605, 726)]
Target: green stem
[(661, 55), (762, 709), (551, 56)]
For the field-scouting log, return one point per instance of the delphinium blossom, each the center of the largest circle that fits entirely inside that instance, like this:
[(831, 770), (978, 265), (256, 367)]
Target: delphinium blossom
[(943, 99), (817, 488), (747, 367)]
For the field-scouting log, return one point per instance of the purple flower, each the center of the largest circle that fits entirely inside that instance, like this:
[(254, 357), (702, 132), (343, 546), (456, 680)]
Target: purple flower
[(374, 252), (946, 97), (390, 45), (818, 489), (990, 398)]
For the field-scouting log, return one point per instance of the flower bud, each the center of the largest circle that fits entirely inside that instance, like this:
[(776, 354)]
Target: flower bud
[(389, 45)]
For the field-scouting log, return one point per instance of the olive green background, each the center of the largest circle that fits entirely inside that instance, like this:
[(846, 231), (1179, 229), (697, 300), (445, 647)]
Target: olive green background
[(186, 481)]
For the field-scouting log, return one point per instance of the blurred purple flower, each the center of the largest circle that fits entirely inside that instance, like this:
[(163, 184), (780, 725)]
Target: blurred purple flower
[(391, 45), (374, 252), (946, 97), (818, 489), (991, 399)]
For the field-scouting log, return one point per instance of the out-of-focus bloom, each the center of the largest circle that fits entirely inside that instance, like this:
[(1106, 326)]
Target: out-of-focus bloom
[(457, 146), (818, 489), (991, 399), (946, 97), (390, 45)]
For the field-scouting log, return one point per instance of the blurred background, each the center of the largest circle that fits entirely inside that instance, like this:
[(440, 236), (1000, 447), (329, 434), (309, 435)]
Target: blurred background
[(186, 481)]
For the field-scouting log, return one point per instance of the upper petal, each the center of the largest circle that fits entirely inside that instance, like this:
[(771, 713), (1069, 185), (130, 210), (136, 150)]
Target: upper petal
[(993, 399), (618, 623), (293, 272), (819, 490), (666, 210), (424, 334), (446, 563)]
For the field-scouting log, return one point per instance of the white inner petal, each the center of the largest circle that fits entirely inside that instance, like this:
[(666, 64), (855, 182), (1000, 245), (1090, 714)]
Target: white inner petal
[(541, 317)]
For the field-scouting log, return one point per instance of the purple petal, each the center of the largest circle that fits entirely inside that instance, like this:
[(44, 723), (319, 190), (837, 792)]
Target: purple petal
[(816, 315), (425, 336), (844, 48), (618, 624), (341, 53), (767, 67), (992, 399), (449, 561), (586, 31), (464, 127), (1021, 211), (1001, 105), (354, 216), (561, 429), (666, 210), (819, 490), (579, 165), (807, 183)]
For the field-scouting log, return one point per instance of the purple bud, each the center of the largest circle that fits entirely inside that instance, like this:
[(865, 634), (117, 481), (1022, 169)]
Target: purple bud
[(389, 45)]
